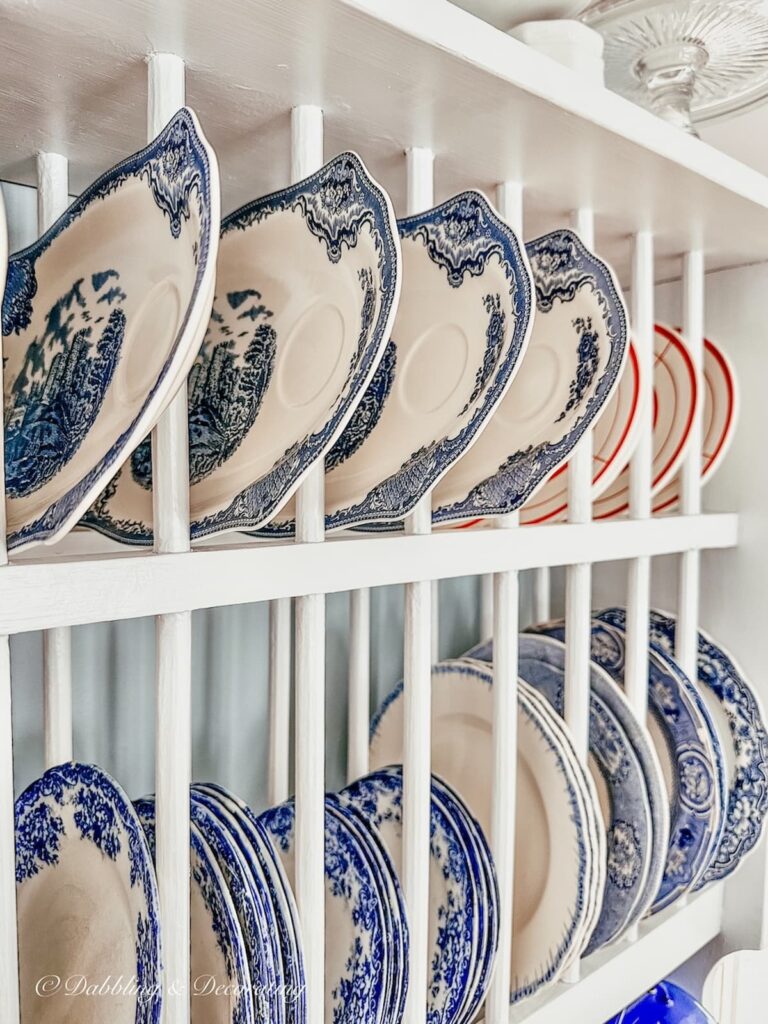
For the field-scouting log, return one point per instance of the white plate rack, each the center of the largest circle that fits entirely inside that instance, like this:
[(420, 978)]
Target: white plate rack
[(434, 101)]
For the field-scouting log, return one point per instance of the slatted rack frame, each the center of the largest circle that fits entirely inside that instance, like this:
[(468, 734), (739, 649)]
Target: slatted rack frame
[(433, 99)]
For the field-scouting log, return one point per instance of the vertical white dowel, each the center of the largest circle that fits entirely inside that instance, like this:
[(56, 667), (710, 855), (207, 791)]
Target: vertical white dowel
[(307, 157), (435, 648), (542, 591), (52, 200), (640, 476), (170, 499), (359, 708), (417, 696), (9, 950), (505, 607), (280, 650), (690, 475), (578, 587)]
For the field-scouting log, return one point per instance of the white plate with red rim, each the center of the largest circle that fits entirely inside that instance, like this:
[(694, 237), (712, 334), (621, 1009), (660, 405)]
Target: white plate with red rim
[(721, 415), (614, 439), (676, 398)]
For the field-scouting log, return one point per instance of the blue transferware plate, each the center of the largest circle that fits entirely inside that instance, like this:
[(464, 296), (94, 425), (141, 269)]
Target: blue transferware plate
[(272, 1004), (356, 958), (392, 902), (552, 905), (682, 732), (461, 329), (255, 924), (574, 362), (453, 922), (664, 1004), (614, 737), (102, 318), (307, 286), (740, 722), (283, 904), (220, 978), (80, 848)]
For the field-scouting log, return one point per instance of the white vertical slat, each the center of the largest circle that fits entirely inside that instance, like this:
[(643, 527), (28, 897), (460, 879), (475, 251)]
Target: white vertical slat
[(417, 696), (170, 500), (359, 704), (52, 200), (505, 607), (640, 476), (690, 475), (306, 157), (9, 950), (435, 629), (542, 594), (280, 650), (578, 587)]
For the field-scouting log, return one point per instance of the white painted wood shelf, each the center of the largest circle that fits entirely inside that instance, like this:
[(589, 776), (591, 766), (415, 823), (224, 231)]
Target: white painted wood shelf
[(434, 101)]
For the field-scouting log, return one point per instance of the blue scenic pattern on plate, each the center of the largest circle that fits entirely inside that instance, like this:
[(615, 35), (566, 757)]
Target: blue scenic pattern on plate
[(53, 402), (541, 663), (695, 810), (747, 790), (76, 803), (561, 267), (225, 927), (358, 993), (283, 903), (378, 799), (460, 236)]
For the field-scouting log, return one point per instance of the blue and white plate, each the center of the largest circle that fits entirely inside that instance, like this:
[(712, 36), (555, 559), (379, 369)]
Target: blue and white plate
[(356, 958), (738, 716), (102, 318), (286, 915), (570, 370), (551, 897), (307, 286), (457, 936), (221, 981), (620, 781), (256, 925), (461, 329), (80, 848), (683, 735)]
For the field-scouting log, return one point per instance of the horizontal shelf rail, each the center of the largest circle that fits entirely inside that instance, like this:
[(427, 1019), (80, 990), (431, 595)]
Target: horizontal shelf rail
[(613, 978), (73, 591)]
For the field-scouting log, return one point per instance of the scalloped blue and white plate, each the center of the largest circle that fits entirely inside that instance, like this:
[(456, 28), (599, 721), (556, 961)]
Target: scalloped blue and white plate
[(220, 979), (102, 317), (684, 738), (461, 329), (307, 286), (633, 847), (740, 722), (551, 903), (572, 366), (80, 848), (286, 915), (356, 966)]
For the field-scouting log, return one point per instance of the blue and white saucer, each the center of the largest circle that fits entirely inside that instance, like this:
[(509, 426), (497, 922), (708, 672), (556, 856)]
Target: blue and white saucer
[(683, 735), (738, 716), (571, 367), (284, 908), (620, 781), (461, 330), (80, 848), (307, 285), (102, 318), (220, 978), (552, 904), (356, 958)]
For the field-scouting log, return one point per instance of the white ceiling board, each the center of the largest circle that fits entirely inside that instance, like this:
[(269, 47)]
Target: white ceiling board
[(389, 74)]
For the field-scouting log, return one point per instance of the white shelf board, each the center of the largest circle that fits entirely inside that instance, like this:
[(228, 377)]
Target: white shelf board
[(90, 588), (390, 74), (613, 978)]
